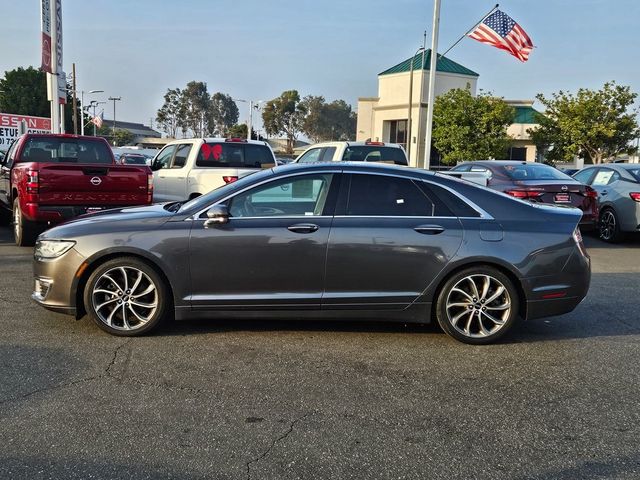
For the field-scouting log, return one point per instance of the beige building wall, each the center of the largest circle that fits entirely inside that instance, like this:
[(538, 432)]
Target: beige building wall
[(392, 103)]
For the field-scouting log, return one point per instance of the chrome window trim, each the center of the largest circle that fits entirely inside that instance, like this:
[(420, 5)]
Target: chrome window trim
[(483, 213), (195, 216)]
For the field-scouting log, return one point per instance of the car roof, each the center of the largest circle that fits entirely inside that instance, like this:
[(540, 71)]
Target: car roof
[(354, 166), (499, 162), (354, 144)]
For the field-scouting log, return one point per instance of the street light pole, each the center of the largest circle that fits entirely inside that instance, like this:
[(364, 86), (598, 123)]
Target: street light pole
[(114, 99), (83, 107)]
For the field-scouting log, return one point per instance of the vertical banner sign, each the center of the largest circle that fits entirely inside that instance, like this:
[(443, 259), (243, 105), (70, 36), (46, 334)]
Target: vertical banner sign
[(45, 23), (62, 79)]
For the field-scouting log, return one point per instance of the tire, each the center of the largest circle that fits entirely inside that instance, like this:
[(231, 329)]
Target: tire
[(139, 302), (25, 232), (476, 312), (609, 227)]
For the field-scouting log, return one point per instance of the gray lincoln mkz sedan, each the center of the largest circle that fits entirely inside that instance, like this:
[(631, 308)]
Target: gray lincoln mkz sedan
[(332, 240)]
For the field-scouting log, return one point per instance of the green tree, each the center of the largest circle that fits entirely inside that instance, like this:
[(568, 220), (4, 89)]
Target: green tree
[(194, 106), (467, 127), (594, 125), (24, 92), (327, 121), (222, 114), (122, 137), (239, 130), (315, 124), (284, 116), (169, 116)]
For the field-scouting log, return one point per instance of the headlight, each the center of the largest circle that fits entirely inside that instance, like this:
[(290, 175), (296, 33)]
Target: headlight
[(52, 248)]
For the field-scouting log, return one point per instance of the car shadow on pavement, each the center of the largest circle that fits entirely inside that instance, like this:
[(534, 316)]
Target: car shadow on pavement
[(601, 315), (591, 240)]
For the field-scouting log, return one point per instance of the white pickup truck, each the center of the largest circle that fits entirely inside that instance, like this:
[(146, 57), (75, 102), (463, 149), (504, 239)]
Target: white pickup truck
[(187, 168)]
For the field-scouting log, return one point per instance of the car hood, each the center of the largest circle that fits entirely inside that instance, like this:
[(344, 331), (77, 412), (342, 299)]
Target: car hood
[(149, 216)]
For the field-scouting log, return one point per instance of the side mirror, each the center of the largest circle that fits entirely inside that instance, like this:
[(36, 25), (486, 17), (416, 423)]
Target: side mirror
[(217, 215), (155, 165)]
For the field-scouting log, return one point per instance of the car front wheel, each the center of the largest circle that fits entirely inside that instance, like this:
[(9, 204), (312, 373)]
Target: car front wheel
[(477, 305), (126, 297)]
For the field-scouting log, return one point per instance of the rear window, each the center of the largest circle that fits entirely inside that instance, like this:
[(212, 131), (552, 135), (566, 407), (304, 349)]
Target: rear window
[(234, 155), (375, 154), (534, 171), (66, 150)]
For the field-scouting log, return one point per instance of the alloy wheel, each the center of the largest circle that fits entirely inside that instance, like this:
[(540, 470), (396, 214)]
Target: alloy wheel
[(125, 298), (607, 225), (478, 306)]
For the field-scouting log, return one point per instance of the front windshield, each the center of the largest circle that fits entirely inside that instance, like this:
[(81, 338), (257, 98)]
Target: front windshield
[(203, 200)]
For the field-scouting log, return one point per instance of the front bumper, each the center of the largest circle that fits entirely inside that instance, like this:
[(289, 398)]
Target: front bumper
[(55, 282)]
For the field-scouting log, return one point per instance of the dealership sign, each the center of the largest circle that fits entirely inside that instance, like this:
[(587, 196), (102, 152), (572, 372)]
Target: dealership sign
[(45, 27), (12, 126)]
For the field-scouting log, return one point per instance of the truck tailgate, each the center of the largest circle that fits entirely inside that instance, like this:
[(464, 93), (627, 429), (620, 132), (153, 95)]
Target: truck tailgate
[(103, 185)]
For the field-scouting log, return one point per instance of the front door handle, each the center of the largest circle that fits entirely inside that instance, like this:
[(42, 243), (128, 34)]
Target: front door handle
[(303, 228), (429, 229), (604, 192)]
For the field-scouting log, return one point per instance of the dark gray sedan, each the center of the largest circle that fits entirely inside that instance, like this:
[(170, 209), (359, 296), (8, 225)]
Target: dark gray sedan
[(618, 187), (317, 241)]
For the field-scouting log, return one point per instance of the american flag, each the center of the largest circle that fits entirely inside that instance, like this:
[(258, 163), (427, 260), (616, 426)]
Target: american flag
[(501, 31), (97, 120)]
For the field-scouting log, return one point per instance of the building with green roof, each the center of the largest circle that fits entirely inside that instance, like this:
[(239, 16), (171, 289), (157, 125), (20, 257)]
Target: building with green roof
[(386, 117)]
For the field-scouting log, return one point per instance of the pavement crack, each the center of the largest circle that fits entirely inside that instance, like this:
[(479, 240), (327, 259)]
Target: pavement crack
[(273, 444), (107, 369)]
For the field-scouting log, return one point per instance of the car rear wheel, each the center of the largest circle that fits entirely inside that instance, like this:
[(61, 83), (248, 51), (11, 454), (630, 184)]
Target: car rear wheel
[(25, 232), (608, 226), (477, 305), (126, 297)]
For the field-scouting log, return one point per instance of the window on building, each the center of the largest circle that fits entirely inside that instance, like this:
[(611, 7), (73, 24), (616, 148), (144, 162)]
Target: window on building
[(398, 132)]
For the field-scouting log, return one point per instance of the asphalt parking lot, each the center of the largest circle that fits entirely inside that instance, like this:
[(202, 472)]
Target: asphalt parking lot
[(558, 399)]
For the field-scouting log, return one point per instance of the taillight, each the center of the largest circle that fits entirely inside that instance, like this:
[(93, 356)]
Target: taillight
[(590, 192), (33, 181), (229, 179), (525, 193), (577, 237), (635, 196), (150, 188)]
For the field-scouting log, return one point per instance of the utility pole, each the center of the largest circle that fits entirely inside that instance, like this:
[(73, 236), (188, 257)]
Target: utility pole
[(75, 101), (432, 81), (114, 99)]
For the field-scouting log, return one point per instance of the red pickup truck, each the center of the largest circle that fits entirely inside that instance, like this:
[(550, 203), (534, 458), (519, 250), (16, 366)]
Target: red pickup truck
[(47, 179)]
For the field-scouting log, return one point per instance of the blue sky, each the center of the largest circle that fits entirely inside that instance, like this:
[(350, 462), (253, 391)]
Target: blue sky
[(256, 49)]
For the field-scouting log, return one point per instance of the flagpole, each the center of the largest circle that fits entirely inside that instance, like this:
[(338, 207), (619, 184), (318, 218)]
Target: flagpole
[(470, 30), (432, 81)]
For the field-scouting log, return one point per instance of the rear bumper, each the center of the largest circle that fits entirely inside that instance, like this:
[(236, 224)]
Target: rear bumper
[(561, 293), (54, 214)]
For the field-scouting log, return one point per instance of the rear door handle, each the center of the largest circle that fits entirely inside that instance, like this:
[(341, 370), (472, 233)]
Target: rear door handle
[(429, 229), (604, 192), (303, 228)]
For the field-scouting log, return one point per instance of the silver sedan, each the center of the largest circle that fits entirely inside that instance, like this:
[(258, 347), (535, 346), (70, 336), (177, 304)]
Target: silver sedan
[(618, 187)]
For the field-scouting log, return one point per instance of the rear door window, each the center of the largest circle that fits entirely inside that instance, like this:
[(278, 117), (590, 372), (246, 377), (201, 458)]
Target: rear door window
[(182, 154), (328, 153), (372, 195), (66, 150), (605, 177), (374, 153)]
